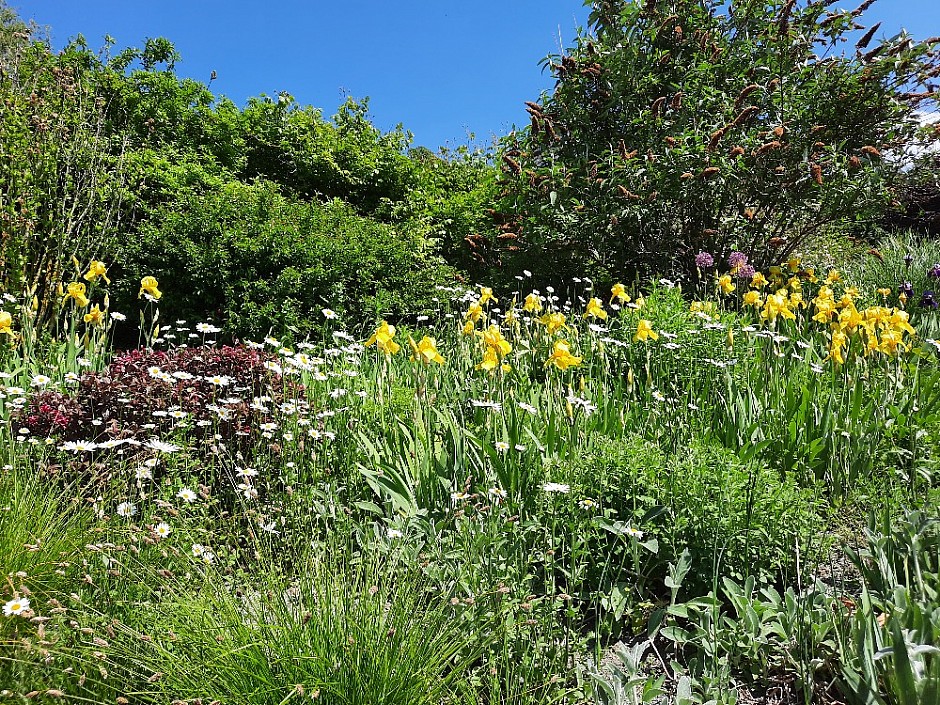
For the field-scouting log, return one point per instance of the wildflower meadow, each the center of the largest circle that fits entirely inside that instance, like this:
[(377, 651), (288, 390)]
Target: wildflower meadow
[(678, 492), (637, 405)]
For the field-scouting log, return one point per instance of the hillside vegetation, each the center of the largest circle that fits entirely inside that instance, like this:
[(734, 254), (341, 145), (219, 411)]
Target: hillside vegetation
[(642, 406)]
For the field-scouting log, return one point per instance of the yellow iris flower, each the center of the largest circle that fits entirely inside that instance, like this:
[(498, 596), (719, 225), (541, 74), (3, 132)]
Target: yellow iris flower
[(891, 341), (474, 312), (561, 356), (6, 323), (595, 309), (899, 319), (76, 290), (97, 269), (645, 332), (486, 295), (533, 303), (95, 316), (839, 339), (777, 305), (490, 360), (495, 341), (148, 285), (702, 307), (382, 339), (425, 351), (619, 291), (553, 321), (850, 318), (724, 283)]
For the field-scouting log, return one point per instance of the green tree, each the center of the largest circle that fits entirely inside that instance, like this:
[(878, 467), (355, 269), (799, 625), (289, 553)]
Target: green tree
[(679, 126)]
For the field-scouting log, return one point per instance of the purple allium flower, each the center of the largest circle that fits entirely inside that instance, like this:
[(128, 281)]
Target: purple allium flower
[(737, 259), (745, 271), (907, 289), (703, 260), (908, 258), (928, 301), (934, 271)]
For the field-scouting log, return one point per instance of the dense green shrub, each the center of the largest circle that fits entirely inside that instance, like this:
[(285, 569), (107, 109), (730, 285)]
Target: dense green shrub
[(262, 213), (677, 126), (249, 256)]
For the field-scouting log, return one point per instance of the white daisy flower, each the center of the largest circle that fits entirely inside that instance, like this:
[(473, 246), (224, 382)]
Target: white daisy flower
[(16, 607), (39, 381), (187, 495), (161, 446), (78, 446)]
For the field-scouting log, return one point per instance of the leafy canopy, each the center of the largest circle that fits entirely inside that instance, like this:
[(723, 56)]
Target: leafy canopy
[(677, 126)]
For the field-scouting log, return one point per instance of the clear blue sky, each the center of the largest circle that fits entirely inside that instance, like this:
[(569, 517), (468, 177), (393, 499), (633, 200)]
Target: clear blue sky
[(441, 68)]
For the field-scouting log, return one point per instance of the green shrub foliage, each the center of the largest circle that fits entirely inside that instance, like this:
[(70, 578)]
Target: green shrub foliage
[(255, 216), (247, 255), (677, 126)]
